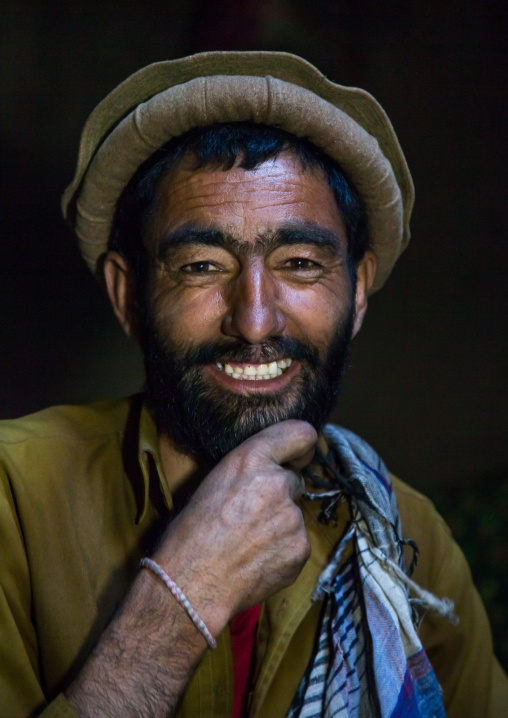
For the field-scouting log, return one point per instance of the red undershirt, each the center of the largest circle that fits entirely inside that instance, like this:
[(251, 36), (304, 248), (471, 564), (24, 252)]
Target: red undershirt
[(242, 628)]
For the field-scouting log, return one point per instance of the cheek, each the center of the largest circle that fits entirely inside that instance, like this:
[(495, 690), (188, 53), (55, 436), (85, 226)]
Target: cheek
[(189, 318), (314, 313)]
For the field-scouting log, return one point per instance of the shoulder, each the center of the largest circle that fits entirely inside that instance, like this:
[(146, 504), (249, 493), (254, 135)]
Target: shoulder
[(442, 567), (63, 467), (78, 423), (416, 509), (461, 655), (61, 446)]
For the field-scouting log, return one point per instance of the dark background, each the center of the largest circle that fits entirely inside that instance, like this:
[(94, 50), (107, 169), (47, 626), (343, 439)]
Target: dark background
[(427, 386)]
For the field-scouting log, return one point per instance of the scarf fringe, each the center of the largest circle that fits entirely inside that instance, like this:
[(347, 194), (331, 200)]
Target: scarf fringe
[(423, 599)]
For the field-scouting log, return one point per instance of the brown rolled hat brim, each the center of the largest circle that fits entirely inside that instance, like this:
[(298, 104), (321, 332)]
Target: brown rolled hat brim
[(166, 99)]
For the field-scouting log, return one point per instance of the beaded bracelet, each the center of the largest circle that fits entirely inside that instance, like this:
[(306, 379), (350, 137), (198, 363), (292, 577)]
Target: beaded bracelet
[(181, 599)]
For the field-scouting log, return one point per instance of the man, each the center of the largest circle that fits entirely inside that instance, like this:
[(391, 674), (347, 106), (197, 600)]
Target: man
[(240, 209)]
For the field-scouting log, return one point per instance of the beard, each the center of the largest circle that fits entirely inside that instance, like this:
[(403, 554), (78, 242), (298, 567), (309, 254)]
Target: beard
[(206, 420)]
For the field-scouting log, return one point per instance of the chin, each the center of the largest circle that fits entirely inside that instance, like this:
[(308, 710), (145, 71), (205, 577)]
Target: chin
[(208, 421)]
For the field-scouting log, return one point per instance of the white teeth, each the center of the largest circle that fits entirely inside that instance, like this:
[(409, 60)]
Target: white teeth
[(256, 371), (284, 363)]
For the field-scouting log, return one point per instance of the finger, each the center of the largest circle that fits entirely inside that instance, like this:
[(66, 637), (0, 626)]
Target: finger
[(297, 465), (288, 442), (296, 484)]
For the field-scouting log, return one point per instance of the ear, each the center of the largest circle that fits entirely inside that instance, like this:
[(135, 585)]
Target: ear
[(365, 272), (121, 287)]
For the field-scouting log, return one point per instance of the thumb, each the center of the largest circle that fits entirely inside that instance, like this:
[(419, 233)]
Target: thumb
[(289, 442)]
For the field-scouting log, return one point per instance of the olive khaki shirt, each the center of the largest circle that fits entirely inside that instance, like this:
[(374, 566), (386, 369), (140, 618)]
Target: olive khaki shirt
[(83, 497)]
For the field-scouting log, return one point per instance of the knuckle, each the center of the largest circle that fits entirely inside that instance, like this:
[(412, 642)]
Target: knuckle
[(302, 541), (294, 521), (306, 547), (301, 553), (277, 485), (257, 503)]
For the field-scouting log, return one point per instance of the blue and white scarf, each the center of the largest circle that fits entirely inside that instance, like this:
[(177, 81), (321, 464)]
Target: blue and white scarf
[(368, 661)]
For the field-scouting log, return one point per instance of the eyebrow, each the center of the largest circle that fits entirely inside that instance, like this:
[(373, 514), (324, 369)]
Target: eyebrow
[(295, 232)]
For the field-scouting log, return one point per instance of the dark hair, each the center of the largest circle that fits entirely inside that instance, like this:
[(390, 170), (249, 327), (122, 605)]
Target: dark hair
[(219, 146)]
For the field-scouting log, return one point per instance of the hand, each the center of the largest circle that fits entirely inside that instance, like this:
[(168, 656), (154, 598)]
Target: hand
[(242, 538)]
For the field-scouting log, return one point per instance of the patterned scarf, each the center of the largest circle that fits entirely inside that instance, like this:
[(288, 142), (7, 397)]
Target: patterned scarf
[(368, 661)]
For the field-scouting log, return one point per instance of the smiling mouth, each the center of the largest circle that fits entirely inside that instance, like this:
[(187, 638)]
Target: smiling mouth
[(255, 372)]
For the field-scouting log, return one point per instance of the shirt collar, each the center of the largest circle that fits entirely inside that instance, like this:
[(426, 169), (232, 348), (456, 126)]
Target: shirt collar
[(150, 462)]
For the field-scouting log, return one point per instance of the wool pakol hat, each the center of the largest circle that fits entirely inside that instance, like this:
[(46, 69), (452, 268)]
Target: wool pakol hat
[(166, 99)]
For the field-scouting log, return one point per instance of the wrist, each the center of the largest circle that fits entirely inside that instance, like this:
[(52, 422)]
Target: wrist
[(206, 599), (180, 598)]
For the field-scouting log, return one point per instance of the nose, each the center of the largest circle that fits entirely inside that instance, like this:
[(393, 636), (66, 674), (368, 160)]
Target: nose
[(253, 314)]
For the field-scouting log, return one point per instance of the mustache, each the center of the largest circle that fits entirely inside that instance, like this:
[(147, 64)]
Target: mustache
[(240, 353)]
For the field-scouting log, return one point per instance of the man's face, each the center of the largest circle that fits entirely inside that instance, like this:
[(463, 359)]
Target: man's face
[(250, 303)]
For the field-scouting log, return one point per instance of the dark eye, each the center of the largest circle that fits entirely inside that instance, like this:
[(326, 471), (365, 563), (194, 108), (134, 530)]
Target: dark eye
[(199, 268), (301, 264)]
